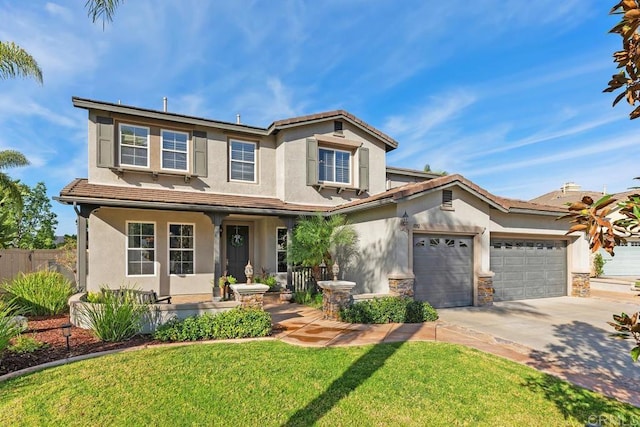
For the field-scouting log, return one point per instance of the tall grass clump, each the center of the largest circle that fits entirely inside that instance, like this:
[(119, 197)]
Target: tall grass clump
[(9, 328), (117, 317), (41, 293)]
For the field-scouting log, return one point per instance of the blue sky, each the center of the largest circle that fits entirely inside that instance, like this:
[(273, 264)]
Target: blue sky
[(504, 92)]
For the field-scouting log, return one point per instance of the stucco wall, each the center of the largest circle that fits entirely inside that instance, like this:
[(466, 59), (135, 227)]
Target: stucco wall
[(108, 246), (217, 179)]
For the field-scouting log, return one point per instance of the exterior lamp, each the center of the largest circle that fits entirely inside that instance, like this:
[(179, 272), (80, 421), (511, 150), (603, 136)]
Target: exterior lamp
[(66, 332), (248, 271), (335, 270), (404, 221)]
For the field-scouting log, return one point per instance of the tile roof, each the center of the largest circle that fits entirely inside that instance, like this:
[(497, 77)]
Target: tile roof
[(561, 198), (335, 114), (446, 181), (81, 190)]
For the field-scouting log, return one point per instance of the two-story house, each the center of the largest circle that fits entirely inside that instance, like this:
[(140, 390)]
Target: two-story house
[(172, 201)]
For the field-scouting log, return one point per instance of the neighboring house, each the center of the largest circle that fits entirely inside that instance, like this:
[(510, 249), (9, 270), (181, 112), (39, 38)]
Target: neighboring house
[(174, 201), (626, 261)]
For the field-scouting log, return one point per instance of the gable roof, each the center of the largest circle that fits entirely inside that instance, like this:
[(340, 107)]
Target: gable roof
[(561, 198), (332, 115), (82, 192), (419, 188), (276, 126)]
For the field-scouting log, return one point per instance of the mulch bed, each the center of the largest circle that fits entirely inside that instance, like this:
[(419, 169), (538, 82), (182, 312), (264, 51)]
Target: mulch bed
[(48, 330)]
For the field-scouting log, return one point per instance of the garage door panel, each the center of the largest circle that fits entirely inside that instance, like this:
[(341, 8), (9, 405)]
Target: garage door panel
[(443, 269), (626, 262), (528, 268)]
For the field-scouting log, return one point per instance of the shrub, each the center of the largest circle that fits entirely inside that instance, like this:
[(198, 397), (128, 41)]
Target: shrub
[(389, 310), (26, 344), (8, 327), (309, 298), (42, 293), (598, 264), (236, 323), (117, 317)]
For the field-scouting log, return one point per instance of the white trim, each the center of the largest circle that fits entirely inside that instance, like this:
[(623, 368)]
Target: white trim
[(351, 159), (169, 224), (126, 248), (148, 148), (278, 251), (162, 150), (255, 160)]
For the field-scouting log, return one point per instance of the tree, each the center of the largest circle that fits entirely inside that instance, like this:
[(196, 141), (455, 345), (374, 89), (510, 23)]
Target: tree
[(16, 62), (33, 220), (11, 159), (427, 168), (627, 59), (317, 239)]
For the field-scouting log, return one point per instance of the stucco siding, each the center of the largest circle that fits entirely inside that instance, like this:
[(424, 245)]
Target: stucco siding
[(108, 251), (217, 179)]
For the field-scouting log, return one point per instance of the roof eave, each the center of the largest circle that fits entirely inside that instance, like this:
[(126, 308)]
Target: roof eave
[(136, 204), (89, 104)]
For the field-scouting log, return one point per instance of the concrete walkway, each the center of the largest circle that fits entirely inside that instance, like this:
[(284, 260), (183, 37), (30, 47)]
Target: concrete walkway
[(566, 346)]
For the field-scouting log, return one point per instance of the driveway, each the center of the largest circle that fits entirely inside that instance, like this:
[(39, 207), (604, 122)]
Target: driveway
[(565, 336)]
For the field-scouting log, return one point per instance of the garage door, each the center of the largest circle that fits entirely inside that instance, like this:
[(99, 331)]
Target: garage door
[(443, 269), (625, 263), (528, 268)]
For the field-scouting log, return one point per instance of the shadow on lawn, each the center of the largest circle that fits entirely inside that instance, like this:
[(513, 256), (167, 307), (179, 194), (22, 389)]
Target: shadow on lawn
[(354, 376)]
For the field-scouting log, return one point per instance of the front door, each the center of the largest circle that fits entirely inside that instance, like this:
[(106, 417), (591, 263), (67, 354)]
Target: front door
[(237, 251)]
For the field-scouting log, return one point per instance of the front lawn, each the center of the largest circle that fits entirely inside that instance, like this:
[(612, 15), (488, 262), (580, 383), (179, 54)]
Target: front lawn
[(269, 383)]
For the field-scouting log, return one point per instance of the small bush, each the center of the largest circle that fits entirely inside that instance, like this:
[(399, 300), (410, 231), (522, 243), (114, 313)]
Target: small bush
[(598, 264), (236, 323), (308, 298), (117, 317), (26, 344), (42, 293), (389, 310)]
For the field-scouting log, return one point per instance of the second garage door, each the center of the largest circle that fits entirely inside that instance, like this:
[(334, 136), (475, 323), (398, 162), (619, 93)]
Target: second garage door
[(528, 268), (625, 263), (443, 269)]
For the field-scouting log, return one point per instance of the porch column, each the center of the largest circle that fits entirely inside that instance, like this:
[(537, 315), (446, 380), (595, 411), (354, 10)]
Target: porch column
[(81, 262), (290, 223), (216, 220)]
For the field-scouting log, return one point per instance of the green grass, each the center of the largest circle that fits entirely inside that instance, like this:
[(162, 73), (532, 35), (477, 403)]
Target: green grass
[(269, 383)]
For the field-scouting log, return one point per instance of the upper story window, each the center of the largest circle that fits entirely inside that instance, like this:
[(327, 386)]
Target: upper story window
[(134, 146), (242, 161), (334, 166), (174, 150)]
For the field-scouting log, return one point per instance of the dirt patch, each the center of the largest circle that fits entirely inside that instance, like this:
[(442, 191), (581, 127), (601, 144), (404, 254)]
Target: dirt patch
[(49, 330)]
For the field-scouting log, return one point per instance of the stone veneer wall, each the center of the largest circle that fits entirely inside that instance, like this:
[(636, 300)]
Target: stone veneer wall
[(401, 285), (334, 300), (485, 289), (580, 285), (250, 300)]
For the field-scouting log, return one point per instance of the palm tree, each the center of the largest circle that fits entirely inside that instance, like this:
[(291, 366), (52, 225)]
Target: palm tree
[(16, 62), (11, 159)]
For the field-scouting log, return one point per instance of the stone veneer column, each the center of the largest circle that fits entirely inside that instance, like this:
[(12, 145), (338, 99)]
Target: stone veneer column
[(485, 289), (580, 284), (249, 296), (336, 295), (401, 284)]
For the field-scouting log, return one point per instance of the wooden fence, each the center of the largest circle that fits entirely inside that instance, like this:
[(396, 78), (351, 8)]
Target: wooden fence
[(302, 278), (14, 261)]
